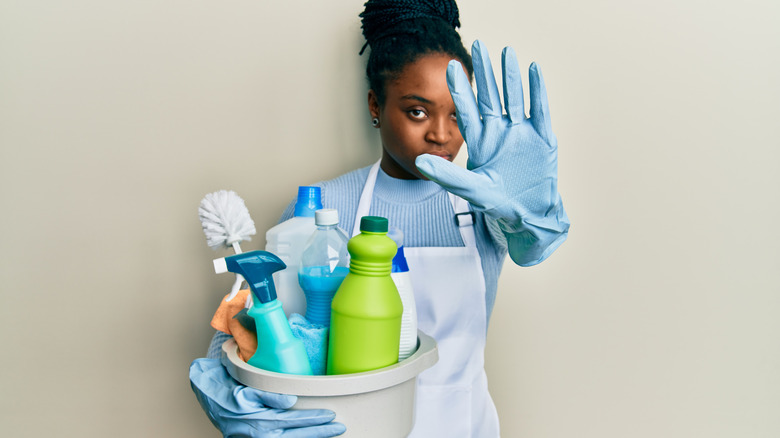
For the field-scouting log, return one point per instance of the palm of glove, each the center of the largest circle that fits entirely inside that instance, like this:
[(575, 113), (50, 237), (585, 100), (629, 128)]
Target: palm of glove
[(512, 171), (240, 411)]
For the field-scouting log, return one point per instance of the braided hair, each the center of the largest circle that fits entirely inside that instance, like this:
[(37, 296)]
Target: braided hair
[(400, 32)]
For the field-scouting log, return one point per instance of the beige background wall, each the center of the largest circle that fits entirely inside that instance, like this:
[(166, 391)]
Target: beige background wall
[(657, 318)]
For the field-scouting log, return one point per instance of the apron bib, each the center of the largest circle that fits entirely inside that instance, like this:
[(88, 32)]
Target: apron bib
[(452, 398)]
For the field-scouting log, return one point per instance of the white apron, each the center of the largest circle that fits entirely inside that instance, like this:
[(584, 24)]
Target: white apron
[(449, 287)]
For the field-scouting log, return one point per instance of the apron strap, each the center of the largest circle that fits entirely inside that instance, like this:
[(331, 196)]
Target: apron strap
[(365, 198), (465, 219)]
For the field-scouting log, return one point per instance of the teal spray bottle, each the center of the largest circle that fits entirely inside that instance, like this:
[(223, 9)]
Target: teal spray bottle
[(277, 349)]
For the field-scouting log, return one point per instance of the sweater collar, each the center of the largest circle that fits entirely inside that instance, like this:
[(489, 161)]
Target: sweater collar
[(408, 190)]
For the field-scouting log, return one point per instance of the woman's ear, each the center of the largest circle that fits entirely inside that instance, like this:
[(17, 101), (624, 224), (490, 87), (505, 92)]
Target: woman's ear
[(373, 104)]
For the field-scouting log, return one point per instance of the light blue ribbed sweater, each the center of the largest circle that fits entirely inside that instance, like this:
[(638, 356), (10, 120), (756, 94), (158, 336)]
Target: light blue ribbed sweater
[(421, 209)]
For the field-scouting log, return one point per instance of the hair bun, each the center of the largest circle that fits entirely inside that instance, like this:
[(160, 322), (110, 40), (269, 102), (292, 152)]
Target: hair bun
[(381, 16)]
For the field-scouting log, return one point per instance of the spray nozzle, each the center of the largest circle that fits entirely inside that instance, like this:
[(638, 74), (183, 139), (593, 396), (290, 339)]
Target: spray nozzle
[(257, 268)]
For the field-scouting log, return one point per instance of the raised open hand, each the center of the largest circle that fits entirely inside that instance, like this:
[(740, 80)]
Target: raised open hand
[(512, 171)]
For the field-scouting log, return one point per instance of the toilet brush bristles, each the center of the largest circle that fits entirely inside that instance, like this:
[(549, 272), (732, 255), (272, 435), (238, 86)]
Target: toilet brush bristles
[(226, 223), (225, 219)]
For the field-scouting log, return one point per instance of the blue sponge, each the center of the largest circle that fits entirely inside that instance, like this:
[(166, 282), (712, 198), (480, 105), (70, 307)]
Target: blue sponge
[(314, 338)]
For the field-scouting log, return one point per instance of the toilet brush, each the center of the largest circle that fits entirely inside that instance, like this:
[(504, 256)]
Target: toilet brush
[(226, 222)]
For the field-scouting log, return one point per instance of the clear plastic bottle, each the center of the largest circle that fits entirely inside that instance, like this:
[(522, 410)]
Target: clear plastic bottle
[(286, 240), (402, 280), (324, 264), (365, 322)]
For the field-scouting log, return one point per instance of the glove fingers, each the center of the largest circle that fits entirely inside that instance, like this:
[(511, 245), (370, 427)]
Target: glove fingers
[(240, 411), (322, 431), (279, 419), (487, 90), (540, 111), (513, 86), (469, 122), (452, 177)]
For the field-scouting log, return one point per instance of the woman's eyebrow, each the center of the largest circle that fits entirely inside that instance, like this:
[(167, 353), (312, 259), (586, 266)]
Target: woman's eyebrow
[(416, 97)]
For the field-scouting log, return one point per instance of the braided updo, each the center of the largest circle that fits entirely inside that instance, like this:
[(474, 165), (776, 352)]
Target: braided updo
[(400, 32)]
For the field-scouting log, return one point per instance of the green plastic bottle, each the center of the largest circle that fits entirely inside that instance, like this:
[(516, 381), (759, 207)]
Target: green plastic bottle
[(365, 321)]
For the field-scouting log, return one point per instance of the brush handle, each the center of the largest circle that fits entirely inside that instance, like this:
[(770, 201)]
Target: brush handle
[(239, 279), (236, 287)]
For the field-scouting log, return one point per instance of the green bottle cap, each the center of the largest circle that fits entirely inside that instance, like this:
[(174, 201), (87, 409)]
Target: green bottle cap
[(373, 224)]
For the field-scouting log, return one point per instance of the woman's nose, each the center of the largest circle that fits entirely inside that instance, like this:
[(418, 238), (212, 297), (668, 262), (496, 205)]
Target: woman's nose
[(438, 132)]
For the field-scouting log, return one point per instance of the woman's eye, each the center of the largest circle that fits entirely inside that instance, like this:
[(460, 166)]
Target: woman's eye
[(417, 114)]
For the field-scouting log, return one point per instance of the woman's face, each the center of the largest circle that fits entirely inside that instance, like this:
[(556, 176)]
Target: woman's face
[(418, 117)]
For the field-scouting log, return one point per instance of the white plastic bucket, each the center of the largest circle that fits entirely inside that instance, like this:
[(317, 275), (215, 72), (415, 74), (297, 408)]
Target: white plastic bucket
[(377, 404)]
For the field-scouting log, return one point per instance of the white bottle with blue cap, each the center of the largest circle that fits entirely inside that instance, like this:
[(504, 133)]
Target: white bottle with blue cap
[(400, 275), (287, 240)]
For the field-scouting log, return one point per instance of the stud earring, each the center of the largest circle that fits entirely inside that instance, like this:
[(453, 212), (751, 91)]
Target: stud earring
[(375, 122)]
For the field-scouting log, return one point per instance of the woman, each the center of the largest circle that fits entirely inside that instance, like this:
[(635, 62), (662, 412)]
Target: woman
[(458, 224)]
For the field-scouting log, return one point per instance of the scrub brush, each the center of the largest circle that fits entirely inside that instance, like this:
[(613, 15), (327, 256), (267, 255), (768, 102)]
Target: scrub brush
[(226, 223)]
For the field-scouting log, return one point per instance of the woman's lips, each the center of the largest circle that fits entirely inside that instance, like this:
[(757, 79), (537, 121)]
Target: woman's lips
[(444, 155)]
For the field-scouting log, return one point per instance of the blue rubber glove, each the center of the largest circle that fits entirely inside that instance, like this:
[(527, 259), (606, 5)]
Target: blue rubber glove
[(240, 411), (512, 171)]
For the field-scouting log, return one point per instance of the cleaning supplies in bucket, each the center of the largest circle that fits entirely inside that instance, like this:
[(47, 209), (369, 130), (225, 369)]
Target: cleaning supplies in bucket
[(287, 240), (368, 320), (366, 312), (277, 349)]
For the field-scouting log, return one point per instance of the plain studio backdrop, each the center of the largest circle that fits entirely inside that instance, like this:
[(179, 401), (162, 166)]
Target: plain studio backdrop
[(659, 317)]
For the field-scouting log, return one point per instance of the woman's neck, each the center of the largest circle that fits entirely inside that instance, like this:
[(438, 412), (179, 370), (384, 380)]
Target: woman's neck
[(404, 190)]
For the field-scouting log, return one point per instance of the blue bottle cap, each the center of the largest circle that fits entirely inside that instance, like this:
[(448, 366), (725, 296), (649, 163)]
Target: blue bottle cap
[(309, 201)]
